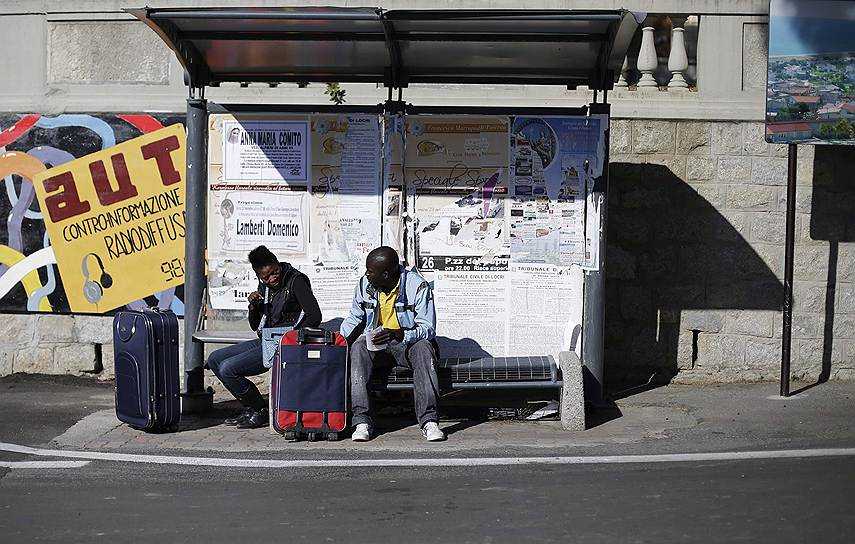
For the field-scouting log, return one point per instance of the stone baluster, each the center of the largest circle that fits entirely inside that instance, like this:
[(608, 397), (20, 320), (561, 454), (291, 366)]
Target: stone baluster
[(621, 84), (647, 61), (678, 60)]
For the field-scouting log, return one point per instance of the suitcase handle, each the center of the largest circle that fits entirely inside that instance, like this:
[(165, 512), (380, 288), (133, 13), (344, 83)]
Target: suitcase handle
[(308, 335)]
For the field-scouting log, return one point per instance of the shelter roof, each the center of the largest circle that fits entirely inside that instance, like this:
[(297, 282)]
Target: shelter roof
[(397, 47)]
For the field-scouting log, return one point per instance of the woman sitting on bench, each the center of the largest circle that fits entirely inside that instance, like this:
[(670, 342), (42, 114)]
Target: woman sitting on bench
[(289, 295)]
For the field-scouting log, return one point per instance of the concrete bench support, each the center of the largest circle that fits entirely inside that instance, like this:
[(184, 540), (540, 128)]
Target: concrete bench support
[(572, 392)]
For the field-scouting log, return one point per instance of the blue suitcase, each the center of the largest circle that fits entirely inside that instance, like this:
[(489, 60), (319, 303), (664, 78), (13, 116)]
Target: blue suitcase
[(145, 344)]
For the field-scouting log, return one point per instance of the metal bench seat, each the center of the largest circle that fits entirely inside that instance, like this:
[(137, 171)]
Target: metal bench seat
[(481, 373)]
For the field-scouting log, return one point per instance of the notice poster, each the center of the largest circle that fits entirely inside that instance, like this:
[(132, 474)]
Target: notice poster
[(459, 154), (241, 220), (451, 228), (333, 285), (344, 228), (471, 313), (544, 308), (265, 151), (346, 154), (117, 220), (229, 283), (535, 231)]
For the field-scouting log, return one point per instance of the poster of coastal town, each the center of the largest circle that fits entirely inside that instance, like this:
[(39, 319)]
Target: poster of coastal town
[(810, 96)]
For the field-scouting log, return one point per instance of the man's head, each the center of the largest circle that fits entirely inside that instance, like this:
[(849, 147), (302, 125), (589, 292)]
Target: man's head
[(381, 268), (266, 266)]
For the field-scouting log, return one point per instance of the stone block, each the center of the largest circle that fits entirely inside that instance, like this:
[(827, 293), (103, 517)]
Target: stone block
[(762, 354), (844, 326), (755, 139), (768, 171), (751, 197), (734, 169), (629, 226), (6, 362), (767, 227), (779, 150), (56, 328), (709, 355), (809, 297), (572, 392), (810, 262), (18, 328), (727, 138), (93, 329), (755, 47), (620, 136), (732, 350), (108, 364), (804, 326), (736, 226), (653, 136), (804, 169), (35, 360), (712, 193), (708, 321), (700, 168), (772, 256), (685, 350), (635, 303), (803, 199), (846, 262), (106, 52), (845, 298), (74, 359), (693, 138), (750, 322)]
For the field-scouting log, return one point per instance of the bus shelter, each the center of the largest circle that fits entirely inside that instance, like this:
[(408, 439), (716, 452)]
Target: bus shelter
[(519, 224)]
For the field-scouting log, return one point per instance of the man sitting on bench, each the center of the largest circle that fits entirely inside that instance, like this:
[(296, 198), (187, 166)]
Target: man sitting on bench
[(396, 306), (289, 295)]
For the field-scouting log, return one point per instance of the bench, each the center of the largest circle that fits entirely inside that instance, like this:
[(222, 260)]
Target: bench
[(462, 373)]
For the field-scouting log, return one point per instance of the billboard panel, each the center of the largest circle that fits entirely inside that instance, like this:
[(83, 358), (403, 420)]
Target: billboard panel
[(810, 93)]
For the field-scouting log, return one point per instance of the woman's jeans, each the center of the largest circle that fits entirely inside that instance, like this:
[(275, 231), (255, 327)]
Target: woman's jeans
[(233, 363)]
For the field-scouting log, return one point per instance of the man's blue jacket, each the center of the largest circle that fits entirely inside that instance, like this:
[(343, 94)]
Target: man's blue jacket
[(414, 307)]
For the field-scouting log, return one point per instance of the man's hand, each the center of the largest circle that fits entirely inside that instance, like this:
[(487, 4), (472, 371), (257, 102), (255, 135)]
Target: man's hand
[(255, 298), (384, 336)]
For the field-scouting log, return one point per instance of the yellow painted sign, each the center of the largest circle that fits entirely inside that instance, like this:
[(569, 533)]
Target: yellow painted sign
[(116, 220)]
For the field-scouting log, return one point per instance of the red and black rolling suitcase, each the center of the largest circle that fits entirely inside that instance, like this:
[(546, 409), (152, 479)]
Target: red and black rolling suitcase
[(309, 385), (145, 346)]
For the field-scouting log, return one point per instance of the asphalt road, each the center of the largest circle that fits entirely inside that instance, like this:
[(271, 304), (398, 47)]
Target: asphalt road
[(778, 501)]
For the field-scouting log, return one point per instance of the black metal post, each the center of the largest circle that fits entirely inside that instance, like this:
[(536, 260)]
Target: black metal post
[(195, 398), (789, 250)]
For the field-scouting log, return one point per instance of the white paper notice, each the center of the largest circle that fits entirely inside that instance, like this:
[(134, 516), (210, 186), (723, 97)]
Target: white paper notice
[(229, 284), (333, 285), (243, 220), (470, 309), (262, 151)]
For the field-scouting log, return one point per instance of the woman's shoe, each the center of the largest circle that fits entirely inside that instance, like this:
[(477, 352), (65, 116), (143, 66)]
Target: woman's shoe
[(255, 420), (232, 421)]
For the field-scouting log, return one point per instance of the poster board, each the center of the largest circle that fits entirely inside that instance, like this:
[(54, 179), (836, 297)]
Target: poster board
[(495, 211)]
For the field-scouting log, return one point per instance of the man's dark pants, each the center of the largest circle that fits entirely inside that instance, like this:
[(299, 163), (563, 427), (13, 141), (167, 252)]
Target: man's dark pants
[(419, 357)]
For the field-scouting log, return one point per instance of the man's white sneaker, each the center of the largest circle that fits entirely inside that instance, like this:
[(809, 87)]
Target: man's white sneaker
[(432, 432), (361, 433)]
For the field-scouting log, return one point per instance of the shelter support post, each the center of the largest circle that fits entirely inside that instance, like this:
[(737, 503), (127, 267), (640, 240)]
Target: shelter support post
[(195, 398), (594, 309), (789, 251)]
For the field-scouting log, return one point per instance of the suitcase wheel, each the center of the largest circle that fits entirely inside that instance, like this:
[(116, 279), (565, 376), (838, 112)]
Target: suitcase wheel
[(313, 437), (290, 436), (332, 437)]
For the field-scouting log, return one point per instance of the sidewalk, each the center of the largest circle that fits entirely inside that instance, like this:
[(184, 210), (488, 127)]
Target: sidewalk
[(664, 420)]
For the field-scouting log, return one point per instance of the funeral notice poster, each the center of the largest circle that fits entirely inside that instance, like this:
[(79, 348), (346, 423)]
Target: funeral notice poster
[(346, 154), (265, 151), (244, 219)]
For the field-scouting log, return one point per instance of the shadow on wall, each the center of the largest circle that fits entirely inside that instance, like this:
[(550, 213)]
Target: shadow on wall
[(670, 251), (832, 219)]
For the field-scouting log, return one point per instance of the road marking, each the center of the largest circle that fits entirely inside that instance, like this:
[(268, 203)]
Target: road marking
[(43, 464), (438, 462)]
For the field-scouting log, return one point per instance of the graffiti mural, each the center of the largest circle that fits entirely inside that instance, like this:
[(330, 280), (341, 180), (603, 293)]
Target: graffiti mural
[(30, 144)]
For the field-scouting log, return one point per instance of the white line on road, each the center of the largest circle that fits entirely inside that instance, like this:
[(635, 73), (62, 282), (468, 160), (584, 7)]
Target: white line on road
[(439, 462), (43, 464)]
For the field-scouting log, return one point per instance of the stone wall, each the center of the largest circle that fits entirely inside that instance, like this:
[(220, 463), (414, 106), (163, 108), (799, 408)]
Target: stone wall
[(696, 255)]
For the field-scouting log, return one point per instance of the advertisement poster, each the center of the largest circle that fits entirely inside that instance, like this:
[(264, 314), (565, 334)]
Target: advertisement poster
[(456, 153), (344, 228), (229, 283), (117, 220), (451, 227), (244, 219), (265, 151)]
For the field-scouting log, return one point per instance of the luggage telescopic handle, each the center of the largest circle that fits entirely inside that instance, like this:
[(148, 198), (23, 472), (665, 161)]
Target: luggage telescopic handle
[(308, 335)]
